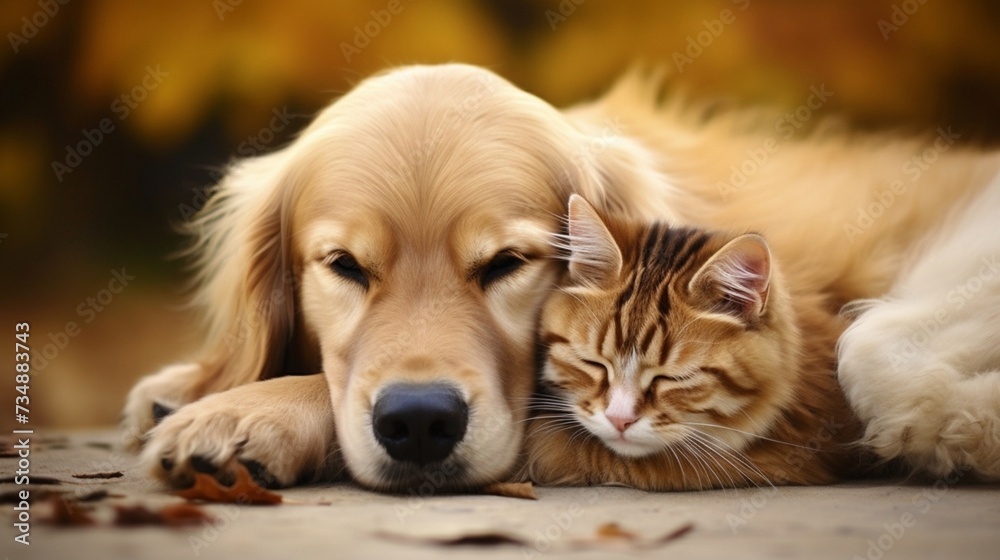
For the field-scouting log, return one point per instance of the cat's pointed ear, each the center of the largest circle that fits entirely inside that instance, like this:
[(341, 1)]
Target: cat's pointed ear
[(736, 279), (594, 257)]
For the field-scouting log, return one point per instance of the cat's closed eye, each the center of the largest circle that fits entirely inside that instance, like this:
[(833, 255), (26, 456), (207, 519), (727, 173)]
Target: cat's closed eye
[(598, 366), (675, 378)]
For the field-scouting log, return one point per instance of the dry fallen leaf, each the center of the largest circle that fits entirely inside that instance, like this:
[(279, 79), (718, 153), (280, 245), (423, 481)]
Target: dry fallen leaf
[(523, 490), (473, 538), (243, 491), (677, 533), (607, 536), (614, 531), (67, 513), (174, 516), (115, 474), (612, 534)]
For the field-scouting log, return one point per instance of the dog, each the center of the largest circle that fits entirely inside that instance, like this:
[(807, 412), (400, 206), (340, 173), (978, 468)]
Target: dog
[(371, 290)]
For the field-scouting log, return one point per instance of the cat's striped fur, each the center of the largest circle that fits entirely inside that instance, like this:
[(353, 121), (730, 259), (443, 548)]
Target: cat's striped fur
[(677, 358)]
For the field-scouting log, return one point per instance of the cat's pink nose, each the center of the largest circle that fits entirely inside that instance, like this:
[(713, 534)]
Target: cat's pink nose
[(621, 421)]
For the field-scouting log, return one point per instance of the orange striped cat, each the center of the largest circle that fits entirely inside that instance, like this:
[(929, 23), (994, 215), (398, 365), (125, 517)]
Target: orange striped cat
[(679, 359)]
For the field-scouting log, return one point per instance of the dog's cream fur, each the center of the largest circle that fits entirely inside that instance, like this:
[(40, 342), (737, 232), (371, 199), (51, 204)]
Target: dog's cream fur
[(424, 172), (921, 366)]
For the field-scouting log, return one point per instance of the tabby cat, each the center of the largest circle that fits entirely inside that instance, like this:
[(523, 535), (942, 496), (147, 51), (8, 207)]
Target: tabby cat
[(678, 359)]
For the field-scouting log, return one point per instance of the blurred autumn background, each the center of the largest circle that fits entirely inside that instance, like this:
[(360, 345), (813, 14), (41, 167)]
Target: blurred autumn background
[(117, 115)]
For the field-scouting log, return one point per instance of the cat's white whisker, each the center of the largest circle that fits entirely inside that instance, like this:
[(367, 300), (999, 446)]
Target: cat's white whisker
[(751, 434), (680, 466), (724, 450), (710, 453), (692, 453)]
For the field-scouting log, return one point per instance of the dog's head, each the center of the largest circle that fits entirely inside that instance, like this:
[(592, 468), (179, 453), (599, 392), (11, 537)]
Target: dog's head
[(402, 245)]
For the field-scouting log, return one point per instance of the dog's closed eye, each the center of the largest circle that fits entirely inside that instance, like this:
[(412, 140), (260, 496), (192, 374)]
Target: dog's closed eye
[(502, 265), (347, 267)]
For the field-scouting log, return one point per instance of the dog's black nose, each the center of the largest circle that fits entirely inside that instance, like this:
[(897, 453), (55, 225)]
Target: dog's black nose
[(419, 423)]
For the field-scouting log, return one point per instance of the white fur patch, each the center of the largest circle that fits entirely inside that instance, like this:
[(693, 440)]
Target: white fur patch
[(921, 367)]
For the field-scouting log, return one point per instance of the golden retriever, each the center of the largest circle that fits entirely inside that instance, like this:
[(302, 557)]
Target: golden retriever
[(402, 246)]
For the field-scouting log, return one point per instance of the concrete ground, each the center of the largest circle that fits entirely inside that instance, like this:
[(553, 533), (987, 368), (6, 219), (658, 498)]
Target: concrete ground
[(872, 519)]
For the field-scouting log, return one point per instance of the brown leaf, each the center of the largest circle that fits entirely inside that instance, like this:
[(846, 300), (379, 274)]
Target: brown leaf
[(243, 491), (67, 513), (612, 535), (609, 536), (115, 474), (676, 533), (614, 531), (523, 490), (176, 515), (487, 538)]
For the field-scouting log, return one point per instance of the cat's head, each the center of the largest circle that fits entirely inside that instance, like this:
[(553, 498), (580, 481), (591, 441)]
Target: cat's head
[(666, 335)]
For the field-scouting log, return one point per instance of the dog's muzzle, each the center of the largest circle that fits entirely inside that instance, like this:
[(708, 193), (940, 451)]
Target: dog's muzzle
[(419, 423)]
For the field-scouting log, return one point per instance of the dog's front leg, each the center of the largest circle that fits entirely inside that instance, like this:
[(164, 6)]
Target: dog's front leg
[(281, 429)]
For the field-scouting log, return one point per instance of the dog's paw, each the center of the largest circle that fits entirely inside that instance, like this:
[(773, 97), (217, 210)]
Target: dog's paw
[(279, 440), (156, 396), (953, 430)]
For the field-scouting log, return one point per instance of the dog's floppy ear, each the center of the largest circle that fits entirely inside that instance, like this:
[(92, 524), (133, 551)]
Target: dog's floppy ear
[(245, 279)]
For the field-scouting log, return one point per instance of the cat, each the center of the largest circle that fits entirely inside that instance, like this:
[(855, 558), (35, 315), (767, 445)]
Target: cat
[(681, 359)]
